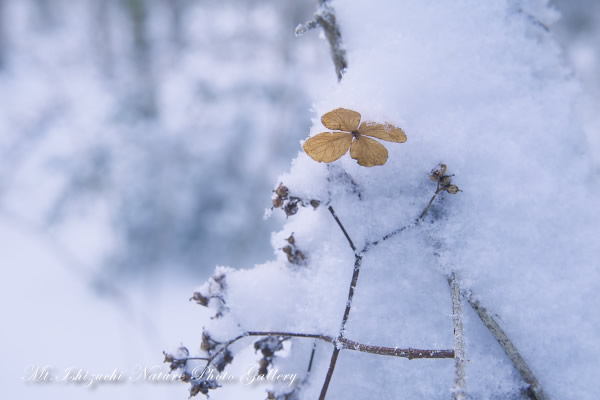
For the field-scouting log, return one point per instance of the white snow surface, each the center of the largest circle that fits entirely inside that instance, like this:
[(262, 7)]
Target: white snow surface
[(481, 87)]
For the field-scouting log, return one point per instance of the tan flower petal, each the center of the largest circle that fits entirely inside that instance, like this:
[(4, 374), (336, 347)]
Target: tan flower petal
[(341, 119), (368, 152), (385, 131), (327, 146)]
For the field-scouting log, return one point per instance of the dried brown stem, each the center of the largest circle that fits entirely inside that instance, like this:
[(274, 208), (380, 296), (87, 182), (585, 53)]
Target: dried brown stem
[(353, 282), (330, 369), (437, 191), (394, 351), (340, 343), (333, 214), (357, 263), (374, 243)]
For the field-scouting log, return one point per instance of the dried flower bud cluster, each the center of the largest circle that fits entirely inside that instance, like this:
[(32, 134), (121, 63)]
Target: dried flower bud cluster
[(268, 347), (219, 356), (212, 294), (294, 255), (199, 384), (289, 204), (203, 386), (208, 344), (444, 181), (284, 396), (179, 360)]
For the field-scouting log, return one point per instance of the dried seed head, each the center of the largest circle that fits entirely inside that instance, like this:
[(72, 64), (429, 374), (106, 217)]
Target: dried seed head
[(195, 389), (291, 239), (442, 168), (287, 250), (200, 299), (445, 180), (277, 202), (263, 366), (438, 172), (452, 189), (168, 357), (183, 351), (186, 377), (282, 191), (291, 208), (315, 203), (207, 344)]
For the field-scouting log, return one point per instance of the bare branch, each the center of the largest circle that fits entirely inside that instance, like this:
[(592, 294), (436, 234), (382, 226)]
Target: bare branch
[(395, 351), (331, 210), (340, 343), (332, 362), (395, 232), (325, 17), (536, 391), (353, 282), (301, 29)]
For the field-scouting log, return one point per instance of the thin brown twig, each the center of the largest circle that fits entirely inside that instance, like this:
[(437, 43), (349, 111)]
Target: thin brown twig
[(341, 226), (409, 353), (437, 191), (355, 273), (340, 343), (330, 369), (395, 232), (351, 289)]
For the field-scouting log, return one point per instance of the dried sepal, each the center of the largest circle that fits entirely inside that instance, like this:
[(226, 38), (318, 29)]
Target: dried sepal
[(385, 131), (330, 146), (341, 119), (368, 152)]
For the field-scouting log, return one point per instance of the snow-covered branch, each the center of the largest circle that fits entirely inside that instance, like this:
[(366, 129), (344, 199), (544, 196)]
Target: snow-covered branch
[(325, 18)]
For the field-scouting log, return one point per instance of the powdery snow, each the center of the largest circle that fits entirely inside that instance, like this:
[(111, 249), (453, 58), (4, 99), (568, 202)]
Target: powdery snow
[(482, 87)]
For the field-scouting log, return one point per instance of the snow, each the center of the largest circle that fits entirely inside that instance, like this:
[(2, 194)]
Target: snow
[(484, 89)]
